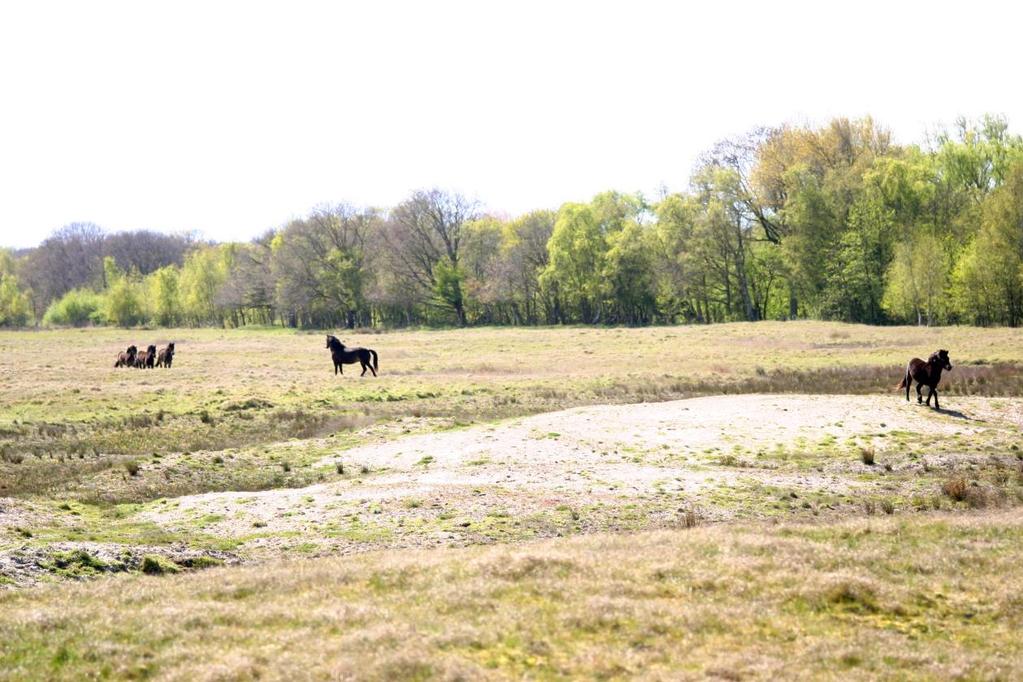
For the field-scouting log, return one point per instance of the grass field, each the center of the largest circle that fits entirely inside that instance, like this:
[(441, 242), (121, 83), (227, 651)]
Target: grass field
[(244, 392), (924, 597), (800, 519)]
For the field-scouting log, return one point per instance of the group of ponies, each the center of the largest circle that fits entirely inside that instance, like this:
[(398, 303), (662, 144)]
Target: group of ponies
[(339, 353), (146, 359)]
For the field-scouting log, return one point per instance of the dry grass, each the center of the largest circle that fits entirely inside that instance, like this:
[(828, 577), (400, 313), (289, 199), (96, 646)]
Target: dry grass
[(244, 371), (231, 389), (894, 593), (928, 596)]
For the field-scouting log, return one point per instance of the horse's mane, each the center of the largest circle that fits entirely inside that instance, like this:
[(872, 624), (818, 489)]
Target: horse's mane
[(334, 343)]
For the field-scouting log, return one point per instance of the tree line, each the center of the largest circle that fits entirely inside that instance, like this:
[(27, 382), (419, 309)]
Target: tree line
[(833, 222)]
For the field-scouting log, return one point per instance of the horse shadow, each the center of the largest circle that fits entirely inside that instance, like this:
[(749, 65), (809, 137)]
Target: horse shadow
[(955, 413)]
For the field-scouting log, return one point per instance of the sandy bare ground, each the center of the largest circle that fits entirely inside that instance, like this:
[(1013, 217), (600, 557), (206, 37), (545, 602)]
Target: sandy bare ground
[(626, 466)]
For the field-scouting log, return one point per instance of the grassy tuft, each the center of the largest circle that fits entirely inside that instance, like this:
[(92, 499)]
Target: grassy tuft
[(153, 564)]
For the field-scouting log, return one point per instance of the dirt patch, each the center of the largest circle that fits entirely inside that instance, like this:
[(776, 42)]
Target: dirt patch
[(614, 467)]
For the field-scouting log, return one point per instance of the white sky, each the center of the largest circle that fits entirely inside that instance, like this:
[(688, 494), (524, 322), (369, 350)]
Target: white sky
[(230, 118)]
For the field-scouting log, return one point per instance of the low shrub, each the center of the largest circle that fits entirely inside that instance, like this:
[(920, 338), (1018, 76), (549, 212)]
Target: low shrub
[(154, 564), (76, 308), (955, 488), (201, 562)]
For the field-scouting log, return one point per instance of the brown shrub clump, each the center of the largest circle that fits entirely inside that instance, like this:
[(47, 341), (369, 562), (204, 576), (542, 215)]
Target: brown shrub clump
[(955, 488)]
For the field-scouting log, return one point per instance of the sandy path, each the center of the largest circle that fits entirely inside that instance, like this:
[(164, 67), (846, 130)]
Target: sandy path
[(613, 455)]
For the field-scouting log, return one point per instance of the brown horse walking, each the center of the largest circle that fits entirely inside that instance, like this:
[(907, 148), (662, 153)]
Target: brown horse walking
[(146, 358), (349, 356), (127, 358), (926, 374), (166, 356)]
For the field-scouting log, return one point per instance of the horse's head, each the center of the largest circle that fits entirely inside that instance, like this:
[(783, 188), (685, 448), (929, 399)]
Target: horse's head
[(151, 349), (170, 347), (941, 360), (132, 350), (334, 343)]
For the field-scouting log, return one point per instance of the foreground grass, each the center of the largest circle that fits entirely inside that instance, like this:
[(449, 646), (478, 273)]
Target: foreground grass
[(71, 425), (912, 596)]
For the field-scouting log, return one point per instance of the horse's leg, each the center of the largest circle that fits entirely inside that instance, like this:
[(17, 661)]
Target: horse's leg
[(363, 368), (919, 396), (930, 392), (934, 391)]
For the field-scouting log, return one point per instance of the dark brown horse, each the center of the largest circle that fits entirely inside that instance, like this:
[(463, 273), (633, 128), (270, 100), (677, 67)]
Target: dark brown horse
[(166, 356), (146, 358), (349, 356), (926, 374), (127, 358)]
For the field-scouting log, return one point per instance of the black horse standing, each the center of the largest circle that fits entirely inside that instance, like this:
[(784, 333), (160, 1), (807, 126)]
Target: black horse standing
[(349, 356), (926, 374)]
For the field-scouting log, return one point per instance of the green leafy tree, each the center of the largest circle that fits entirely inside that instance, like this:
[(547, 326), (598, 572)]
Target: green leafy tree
[(629, 274), (515, 258), (484, 288), (122, 299), (577, 250), (202, 276), (319, 264), (15, 306), (856, 270), (684, 276), (448, 284), (917, 279), (988, 279), (164, 296), (576, 271)]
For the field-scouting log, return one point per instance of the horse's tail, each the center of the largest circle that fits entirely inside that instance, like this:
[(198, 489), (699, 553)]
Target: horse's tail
[(907, 381), (376, 363)]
